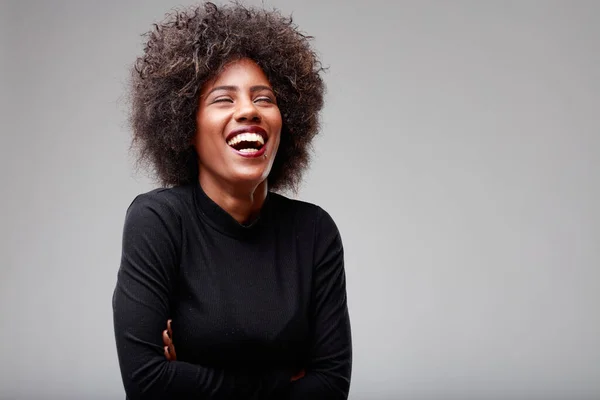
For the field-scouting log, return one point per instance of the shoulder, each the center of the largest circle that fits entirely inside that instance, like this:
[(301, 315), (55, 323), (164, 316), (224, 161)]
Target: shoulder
[(173, 198), (160, 205), (311, 223), (304, 212)]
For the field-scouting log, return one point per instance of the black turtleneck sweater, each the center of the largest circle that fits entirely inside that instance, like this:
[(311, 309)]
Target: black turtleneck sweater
[(251, 304)]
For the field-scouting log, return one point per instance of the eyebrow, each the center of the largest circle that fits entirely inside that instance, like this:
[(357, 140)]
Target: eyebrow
[(256, 88)]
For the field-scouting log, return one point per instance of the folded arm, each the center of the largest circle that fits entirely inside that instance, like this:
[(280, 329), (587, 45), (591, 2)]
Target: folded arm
[(329, 368), (141, 306)]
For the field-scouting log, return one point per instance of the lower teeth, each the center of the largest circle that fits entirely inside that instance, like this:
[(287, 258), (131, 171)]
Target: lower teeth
[(247, 150)]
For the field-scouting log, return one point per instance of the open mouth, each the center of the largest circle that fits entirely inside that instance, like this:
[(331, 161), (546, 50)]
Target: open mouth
[(247, 143)]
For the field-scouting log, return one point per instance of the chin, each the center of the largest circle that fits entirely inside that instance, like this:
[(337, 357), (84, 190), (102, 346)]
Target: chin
[(249, 176)]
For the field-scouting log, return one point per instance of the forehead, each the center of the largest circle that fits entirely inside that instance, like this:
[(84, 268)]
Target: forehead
[(243, 72)]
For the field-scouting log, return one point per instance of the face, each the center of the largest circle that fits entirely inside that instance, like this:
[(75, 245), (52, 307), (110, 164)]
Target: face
[(238, 126)]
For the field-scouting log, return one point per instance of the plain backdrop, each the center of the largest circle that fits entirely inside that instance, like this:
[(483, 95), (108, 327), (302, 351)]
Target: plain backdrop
[(459, 155)]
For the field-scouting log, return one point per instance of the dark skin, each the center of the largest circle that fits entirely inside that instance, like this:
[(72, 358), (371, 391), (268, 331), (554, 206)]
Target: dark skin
[(239, 97)]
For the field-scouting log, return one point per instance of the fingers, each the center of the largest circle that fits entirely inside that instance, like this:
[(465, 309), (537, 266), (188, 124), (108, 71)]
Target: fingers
[(167, 343), (166, 338), (172, 353), (169, 348), (299, 375)]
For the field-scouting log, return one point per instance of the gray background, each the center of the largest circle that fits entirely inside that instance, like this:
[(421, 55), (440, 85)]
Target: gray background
[(459, 156)]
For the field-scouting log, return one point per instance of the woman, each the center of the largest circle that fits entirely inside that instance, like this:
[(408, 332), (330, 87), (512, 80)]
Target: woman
[(225, 103)]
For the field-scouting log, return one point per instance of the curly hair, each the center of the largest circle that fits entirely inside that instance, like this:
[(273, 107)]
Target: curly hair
[(191, 46)]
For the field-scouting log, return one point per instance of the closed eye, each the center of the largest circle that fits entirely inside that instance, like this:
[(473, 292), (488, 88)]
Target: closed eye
[(265, 99)]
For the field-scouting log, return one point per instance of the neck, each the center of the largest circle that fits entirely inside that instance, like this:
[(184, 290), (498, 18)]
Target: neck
[(243, 203)]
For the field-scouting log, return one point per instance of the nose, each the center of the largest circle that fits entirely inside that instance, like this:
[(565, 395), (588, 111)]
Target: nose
[(247, 111)]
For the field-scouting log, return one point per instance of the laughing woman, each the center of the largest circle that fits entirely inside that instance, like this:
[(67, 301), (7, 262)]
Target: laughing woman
[(225, 104)]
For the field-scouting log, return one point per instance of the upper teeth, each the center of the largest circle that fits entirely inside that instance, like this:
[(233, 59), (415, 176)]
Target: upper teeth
[(246, 137)]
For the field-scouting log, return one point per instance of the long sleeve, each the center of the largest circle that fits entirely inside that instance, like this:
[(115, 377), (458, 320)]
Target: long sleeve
[(141, 306), (329, 370)]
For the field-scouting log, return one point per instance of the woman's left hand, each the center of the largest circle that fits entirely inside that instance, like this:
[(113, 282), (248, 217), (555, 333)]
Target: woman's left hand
[(169, 347), (298, 375)]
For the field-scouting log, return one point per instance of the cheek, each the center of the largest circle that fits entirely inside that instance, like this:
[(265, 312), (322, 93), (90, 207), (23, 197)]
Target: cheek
[(276, 123), (277, 136), (209, 129)]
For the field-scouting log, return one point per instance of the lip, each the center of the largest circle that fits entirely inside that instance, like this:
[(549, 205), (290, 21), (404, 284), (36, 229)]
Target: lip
[(248, 129), (251, 155)]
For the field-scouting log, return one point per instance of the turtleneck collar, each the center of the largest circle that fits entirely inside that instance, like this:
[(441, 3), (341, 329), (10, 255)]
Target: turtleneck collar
[(221, 220)]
